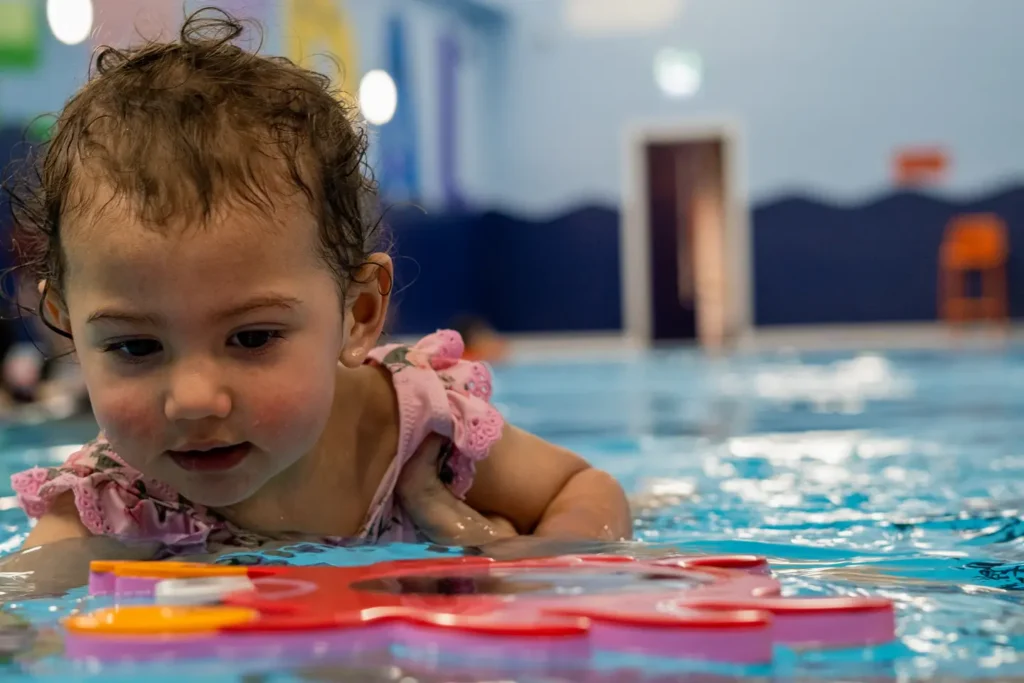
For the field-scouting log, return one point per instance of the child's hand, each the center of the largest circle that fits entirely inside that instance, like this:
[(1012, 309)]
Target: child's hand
[(420, 480), (435, 510)]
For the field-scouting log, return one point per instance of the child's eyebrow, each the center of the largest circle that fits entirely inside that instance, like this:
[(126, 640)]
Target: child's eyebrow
[(114, 315), (279, 301), (254, 304)]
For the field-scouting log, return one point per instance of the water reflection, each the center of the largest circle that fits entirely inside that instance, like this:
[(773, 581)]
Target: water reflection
[(898, 475)]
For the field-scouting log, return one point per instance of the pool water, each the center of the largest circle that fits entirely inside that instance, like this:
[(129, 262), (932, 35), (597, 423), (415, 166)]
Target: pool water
[(899, 475)]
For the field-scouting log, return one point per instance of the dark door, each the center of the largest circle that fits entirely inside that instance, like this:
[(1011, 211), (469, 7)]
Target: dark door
[(674, 314)]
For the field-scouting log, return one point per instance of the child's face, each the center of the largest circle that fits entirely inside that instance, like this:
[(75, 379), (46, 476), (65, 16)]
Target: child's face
[(222, 335)]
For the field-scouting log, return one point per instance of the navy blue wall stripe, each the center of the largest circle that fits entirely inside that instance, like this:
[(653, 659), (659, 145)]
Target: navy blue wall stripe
[(814, 262)]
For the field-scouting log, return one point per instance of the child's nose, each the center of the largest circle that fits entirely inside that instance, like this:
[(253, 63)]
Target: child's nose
[(196, 394)]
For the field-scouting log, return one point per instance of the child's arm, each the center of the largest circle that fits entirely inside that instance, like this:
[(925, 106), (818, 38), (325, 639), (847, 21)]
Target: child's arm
[(60, 523), (538, 487), (547, 490), (56, 556)]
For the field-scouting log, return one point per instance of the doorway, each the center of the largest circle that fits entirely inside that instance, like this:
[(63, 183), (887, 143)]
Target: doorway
[(684, 239)]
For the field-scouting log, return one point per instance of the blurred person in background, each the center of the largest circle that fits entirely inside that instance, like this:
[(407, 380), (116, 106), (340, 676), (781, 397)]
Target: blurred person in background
[(38, 378), (482, 342)]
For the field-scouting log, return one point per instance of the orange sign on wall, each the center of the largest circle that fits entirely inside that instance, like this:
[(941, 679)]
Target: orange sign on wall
[(920, 166)]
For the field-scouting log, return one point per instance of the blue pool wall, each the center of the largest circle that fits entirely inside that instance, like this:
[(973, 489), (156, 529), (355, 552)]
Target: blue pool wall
[(815, 262)]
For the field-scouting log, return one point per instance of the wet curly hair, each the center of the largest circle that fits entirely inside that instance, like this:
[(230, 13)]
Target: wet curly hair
[(179, 128)]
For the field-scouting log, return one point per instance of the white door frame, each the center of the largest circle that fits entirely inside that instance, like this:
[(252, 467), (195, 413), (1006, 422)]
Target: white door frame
[(634, 225)]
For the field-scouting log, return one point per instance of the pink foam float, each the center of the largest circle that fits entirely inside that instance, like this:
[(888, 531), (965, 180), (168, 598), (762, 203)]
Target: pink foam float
[(724, 609)]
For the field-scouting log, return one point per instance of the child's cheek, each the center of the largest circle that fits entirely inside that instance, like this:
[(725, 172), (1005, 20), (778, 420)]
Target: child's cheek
[(126, 418), (295, 411)]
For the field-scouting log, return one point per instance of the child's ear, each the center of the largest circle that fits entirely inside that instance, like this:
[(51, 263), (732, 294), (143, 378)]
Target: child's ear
[(367, 308), (53, 310)]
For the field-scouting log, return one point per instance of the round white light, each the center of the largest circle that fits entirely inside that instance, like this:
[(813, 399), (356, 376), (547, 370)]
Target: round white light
[(378, 97), (70, 20), (677, 73)]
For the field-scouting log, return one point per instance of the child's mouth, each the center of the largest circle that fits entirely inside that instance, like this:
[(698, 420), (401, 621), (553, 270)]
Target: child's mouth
[(213, 459)]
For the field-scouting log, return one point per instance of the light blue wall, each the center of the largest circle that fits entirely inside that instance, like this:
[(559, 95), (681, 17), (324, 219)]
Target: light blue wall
[(825, 90)]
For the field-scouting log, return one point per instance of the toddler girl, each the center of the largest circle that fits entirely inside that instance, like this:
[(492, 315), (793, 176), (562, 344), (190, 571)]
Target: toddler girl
[(204, 231)]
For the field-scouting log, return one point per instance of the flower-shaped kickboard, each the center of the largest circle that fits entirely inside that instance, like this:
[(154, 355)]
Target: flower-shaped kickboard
[(723, 609)]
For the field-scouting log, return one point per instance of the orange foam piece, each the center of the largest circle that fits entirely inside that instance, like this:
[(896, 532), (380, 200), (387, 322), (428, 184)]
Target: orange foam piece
[(166, 570), (151, 619), (110, 565)]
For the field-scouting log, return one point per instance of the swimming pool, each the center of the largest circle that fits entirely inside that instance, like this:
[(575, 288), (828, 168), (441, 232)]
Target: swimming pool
[(899, 475)]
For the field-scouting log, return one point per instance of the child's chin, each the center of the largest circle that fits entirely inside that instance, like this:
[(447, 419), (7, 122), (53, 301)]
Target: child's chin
[(217, 495)]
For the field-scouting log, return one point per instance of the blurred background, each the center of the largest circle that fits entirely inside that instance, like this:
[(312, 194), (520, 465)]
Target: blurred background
[(752, 257), (712, 172)]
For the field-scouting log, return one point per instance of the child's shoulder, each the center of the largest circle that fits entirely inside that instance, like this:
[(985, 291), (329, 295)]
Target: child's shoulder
[(112, 498), (438, 392), (85, 469)]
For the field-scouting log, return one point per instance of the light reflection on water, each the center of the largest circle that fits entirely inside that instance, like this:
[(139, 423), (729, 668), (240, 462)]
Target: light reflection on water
[(900, 476)]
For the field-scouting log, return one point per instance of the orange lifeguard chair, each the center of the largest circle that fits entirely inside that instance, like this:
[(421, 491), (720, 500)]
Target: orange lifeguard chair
[(974, 243)]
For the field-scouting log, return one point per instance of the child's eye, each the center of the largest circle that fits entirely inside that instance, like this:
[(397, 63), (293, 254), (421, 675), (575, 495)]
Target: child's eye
[(254, 339), (134, 349)]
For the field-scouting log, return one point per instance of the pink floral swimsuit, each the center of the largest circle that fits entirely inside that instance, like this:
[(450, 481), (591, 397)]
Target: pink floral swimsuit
[(437, 392)]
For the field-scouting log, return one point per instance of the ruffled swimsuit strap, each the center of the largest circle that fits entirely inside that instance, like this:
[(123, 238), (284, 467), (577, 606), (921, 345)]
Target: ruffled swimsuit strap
[(438, 393)]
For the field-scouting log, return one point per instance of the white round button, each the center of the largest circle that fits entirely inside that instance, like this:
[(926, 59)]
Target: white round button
[(199, 591)]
